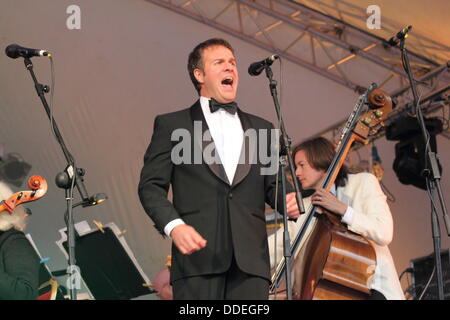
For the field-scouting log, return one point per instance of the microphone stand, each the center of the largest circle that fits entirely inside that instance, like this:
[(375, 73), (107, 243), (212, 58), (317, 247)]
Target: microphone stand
[(432, 175), (71, 177), (285, 159)]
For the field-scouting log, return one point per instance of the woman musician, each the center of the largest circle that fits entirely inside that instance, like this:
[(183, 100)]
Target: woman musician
[(361, 205)]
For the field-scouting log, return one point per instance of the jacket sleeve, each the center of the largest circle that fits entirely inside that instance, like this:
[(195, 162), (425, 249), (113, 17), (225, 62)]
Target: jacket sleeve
[(20, 278), (374, 220), (155, 177)]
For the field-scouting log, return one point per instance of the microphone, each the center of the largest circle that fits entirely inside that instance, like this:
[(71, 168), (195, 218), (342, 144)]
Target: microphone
[(257, 67), (14, 51), (402, 34)]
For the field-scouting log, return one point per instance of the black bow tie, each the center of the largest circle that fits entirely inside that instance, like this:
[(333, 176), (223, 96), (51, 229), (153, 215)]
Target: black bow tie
[(229, 107)]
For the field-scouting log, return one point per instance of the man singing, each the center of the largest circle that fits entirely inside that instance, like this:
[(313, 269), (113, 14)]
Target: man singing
[(216, 221)]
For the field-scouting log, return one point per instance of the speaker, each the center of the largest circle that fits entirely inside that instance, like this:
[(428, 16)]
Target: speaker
[(422, 270)]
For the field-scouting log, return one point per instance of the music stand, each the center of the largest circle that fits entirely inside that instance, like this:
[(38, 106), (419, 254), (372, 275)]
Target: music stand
[(107, 264)]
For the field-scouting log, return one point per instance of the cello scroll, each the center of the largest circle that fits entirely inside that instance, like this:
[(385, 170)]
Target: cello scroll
[(38, 186)]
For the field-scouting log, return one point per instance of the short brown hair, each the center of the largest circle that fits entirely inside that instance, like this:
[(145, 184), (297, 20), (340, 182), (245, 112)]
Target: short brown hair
[(320, 153), (195, 57)]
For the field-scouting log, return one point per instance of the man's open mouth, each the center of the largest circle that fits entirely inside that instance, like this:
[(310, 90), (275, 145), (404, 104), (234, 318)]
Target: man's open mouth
[(227, 82)]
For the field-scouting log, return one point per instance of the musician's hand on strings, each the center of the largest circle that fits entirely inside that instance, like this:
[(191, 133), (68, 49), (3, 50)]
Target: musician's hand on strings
[(327, 200), (187, 239), (291, 206)]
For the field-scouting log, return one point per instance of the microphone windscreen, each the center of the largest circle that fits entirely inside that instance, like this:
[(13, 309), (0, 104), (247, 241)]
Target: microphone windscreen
[(11, 51)]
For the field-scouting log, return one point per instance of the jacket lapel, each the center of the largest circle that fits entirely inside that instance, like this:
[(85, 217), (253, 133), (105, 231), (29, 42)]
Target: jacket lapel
[(248, 150), (198, 119)]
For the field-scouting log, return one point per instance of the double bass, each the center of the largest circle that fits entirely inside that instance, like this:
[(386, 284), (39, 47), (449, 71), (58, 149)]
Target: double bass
[(337, 264)]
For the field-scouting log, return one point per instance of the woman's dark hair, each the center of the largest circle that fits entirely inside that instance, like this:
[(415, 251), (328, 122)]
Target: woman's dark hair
[(195, 57), (320, 153)]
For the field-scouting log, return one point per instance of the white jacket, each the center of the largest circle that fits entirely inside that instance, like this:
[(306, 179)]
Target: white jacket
[(371, 218)]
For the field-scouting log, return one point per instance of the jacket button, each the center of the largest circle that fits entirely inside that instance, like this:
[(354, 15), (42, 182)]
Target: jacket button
[(230, 196)]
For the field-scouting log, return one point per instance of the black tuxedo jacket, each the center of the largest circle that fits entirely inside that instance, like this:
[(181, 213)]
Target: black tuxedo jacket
[(230, 216)]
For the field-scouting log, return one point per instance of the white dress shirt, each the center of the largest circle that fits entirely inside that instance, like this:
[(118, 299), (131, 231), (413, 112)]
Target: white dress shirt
[(227, 133), (347, 218)]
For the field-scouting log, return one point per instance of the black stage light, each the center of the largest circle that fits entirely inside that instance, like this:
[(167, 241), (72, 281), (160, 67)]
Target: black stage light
[(410, 154)]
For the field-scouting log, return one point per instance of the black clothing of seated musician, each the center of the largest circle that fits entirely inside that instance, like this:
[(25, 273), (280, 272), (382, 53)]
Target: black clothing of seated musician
[(19, 265)]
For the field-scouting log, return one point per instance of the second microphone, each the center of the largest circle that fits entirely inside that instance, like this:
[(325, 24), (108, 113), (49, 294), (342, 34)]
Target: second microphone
[(256, 68)]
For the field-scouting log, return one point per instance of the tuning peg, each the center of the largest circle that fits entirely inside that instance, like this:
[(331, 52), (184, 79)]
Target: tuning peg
[(367, 121)]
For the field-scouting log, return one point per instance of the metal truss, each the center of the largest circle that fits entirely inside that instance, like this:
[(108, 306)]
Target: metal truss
[(316, 35)]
